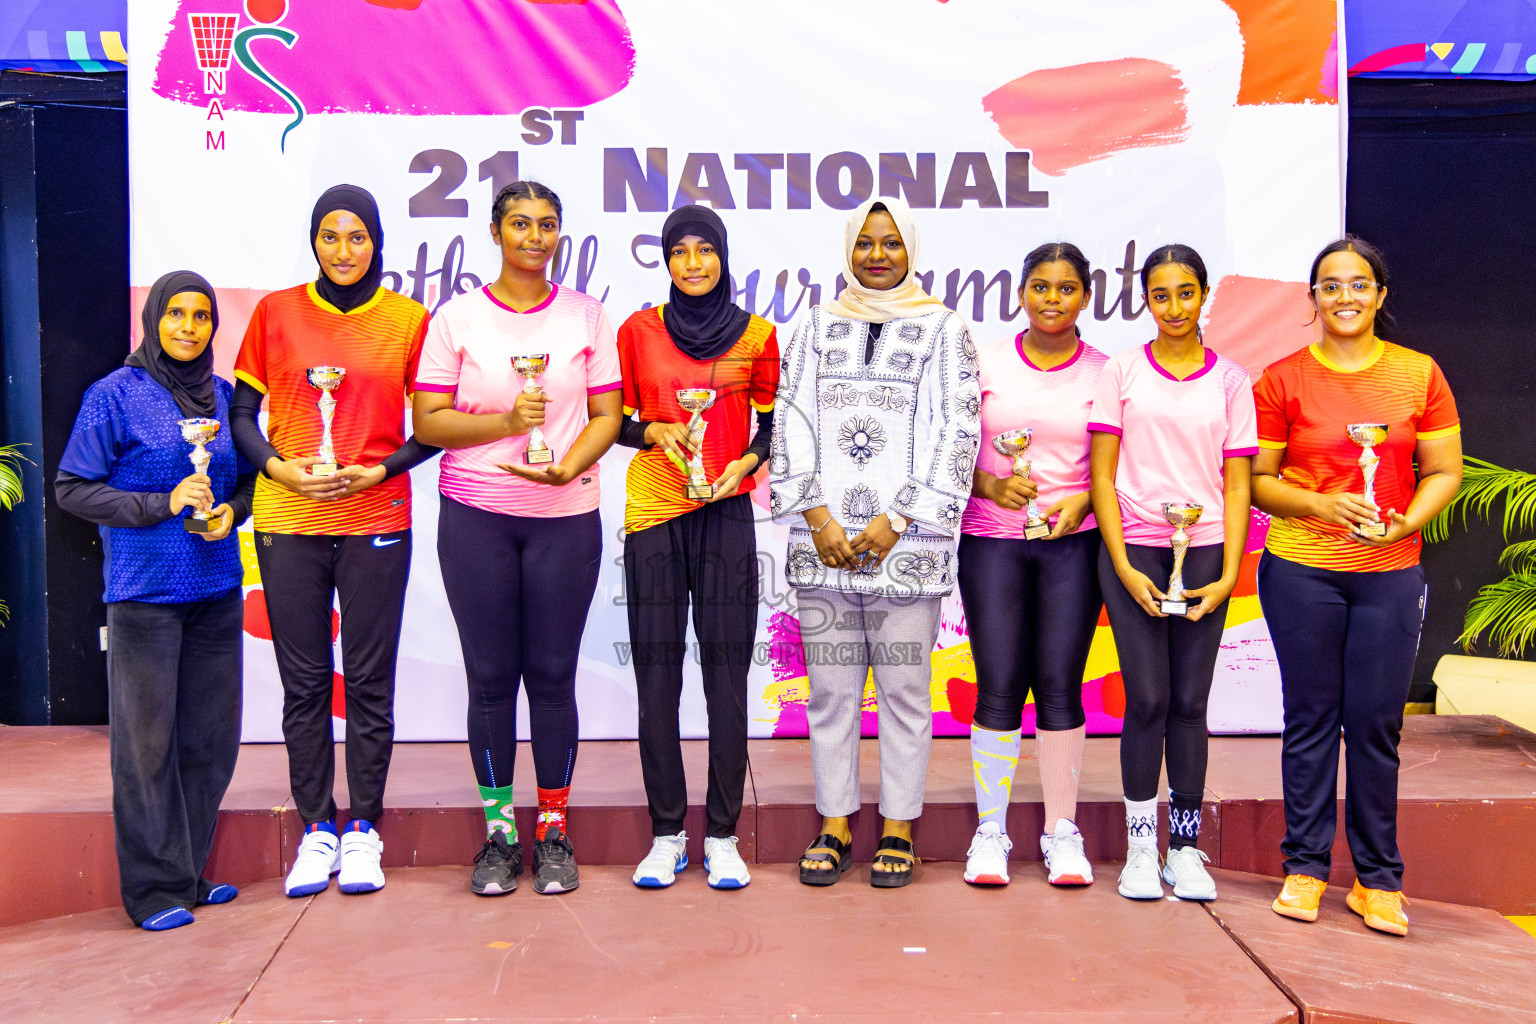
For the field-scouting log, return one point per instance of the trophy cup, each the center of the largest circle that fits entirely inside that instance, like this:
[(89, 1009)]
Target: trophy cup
[(1179, 515), (1367, 436), (696, 400), (529, 368), (1013, 444), (199, 432), (326, 379)]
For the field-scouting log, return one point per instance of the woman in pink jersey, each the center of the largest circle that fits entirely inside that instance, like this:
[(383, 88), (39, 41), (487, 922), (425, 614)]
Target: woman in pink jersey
[(1031, 604), (519, 539), (1340, 580), (1172, 422)]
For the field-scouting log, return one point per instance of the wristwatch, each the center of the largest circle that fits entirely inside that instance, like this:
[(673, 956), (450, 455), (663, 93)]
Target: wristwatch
[(899, 522)]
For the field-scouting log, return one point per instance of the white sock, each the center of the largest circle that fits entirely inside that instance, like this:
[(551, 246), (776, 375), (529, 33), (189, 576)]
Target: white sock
[(1141, 822)]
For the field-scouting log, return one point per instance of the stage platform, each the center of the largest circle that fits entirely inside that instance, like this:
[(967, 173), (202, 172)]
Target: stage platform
[(424, 949), (1467, 792)]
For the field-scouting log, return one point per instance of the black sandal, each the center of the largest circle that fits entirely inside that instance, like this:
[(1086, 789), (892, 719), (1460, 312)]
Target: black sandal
[(893, 879), (826, 849)]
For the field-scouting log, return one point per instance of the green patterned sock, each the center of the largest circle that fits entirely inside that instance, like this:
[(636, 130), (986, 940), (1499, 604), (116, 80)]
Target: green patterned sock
[(498, 811)]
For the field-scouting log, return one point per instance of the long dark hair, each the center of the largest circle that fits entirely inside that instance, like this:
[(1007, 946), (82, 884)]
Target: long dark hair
[(524, 190)]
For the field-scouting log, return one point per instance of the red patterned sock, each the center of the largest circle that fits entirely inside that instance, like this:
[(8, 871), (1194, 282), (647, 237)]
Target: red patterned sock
[(551, 810)]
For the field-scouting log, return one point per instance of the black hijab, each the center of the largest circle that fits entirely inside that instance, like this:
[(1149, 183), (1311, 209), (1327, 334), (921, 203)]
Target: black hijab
[(359, 201), (189, 382), (702, 326)]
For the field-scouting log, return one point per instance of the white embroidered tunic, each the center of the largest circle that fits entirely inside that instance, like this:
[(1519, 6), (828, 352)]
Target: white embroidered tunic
[(898, 433)]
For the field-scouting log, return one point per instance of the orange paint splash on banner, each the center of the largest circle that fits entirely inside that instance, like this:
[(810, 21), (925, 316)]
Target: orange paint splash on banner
[(1071, 116)]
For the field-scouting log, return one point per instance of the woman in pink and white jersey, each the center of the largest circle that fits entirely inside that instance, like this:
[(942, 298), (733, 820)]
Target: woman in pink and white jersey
[(519, 540), (1172, 422), (1031, 603)]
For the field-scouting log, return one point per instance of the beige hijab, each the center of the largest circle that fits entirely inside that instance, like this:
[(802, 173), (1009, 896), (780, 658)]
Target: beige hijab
[(907, 298)]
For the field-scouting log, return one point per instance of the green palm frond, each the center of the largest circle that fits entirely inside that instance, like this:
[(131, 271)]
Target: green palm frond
[(1483, 484), (1506, 612), (10, 474), (1519, 557)]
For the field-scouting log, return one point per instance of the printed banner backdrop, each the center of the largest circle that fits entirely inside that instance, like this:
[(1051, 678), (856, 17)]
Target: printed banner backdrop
[(1111, 123), (1441, 38)]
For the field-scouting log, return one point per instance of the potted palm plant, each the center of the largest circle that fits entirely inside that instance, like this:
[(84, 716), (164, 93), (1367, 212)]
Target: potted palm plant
[(10, 492), (1504, 612)]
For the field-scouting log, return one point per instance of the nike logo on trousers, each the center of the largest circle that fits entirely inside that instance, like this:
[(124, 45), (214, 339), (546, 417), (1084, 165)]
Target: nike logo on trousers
[(380, 542)]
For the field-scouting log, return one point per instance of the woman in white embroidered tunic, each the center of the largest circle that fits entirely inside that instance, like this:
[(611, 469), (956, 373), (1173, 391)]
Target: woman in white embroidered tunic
[(873, 452)]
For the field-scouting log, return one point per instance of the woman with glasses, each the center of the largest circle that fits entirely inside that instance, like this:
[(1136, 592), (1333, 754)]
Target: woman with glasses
[(1340, 581)]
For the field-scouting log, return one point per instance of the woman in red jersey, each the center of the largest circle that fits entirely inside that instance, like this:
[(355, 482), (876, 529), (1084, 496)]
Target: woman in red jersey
[(703, 548), (334, 522), (1339, 580)]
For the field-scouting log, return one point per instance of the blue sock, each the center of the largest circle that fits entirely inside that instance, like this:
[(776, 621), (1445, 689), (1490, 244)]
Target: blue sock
[(323, 826), (165, 920), (360, 825), (221, 893)]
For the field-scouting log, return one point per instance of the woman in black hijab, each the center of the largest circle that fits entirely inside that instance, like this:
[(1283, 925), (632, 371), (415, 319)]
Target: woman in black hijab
[(689, 530), (334, 522), (173, 595)]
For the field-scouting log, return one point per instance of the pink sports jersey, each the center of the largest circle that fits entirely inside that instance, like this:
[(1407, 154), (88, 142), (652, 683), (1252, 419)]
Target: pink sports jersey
[(1054, 405), (468, 353), (1174, 435)]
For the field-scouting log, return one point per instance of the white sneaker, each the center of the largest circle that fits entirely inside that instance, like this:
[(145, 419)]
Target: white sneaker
[(1185, 871), (1138, 879), (319, 858), (669, 855), (360, 853), (726, 868), (986, 862), (1064, 858)]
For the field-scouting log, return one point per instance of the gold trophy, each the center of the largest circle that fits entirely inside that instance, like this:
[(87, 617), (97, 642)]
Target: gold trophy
[(696, 400), (1179, 515), (199, 432), (1013, 444), (326, 379), (1367, 436), (530, 368)]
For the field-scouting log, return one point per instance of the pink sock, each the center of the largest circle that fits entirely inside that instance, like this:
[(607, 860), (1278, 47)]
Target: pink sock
[(1061, 763)]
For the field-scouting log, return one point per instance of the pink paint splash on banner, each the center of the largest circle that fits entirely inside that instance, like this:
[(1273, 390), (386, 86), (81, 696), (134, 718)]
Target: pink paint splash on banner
[(1074, 115), (434, 57)]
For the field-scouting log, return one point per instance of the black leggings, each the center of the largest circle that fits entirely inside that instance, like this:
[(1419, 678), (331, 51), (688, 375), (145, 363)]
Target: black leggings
[(1346, 643), (520, 588), (367, 574), (1031, 607), (710, 556), (1167, 666)]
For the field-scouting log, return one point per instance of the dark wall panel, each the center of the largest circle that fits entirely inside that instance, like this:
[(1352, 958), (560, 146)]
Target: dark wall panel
[(1442, 175), (64, 310)]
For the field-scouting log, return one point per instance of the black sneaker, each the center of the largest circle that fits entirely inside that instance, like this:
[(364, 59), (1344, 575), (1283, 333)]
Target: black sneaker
[(497, 866), (554, 863)]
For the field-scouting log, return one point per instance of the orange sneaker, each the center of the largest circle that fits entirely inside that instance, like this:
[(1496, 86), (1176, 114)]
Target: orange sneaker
[(1381, 909), (1300, 897)]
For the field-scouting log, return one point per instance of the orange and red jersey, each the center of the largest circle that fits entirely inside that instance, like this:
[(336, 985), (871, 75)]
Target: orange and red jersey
[(378, 344), (1304, 404), (745, 378)]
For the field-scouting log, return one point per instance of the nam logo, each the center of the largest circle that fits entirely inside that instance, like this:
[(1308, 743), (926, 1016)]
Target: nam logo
[(216, 37)]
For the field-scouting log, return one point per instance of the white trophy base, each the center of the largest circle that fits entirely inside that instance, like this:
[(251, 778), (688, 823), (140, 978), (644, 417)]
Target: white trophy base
[(1175, 607)]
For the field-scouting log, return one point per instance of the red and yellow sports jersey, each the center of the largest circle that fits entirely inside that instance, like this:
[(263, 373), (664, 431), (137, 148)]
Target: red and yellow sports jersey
[(1304, 404), (745, 378), (378, 344)]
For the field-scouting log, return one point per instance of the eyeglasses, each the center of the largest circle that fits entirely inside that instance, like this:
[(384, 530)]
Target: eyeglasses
[(1334, 289)]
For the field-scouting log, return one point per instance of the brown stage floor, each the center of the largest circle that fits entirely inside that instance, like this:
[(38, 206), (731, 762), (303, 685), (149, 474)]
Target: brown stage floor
[(1467, 811), (424, 949)]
